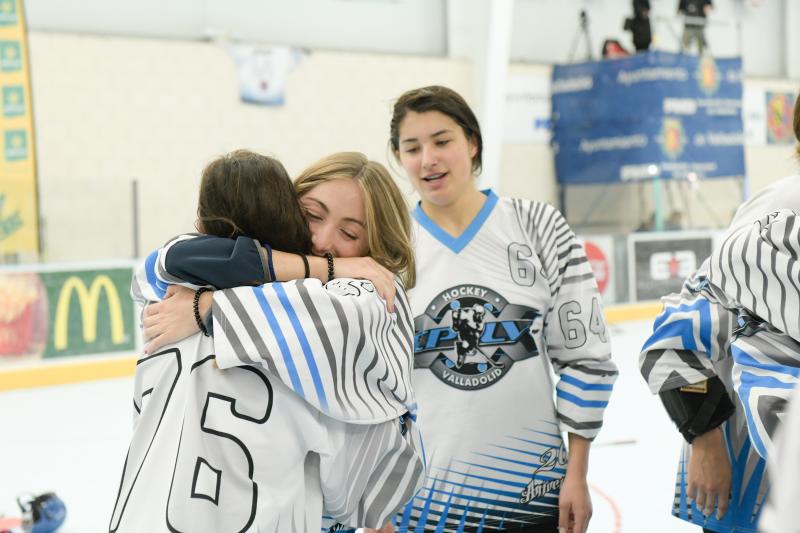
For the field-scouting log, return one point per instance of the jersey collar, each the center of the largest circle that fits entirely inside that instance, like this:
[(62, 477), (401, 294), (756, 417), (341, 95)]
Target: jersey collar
[(456, 244)]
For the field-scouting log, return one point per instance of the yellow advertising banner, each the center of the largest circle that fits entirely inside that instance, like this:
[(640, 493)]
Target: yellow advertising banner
[(19, 210)]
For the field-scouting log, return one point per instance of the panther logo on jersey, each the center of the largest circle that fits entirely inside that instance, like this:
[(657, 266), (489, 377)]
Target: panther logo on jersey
[(470, 336)]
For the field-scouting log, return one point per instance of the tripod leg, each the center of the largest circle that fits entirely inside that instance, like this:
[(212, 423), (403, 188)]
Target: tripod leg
[(589, 53), (573, 47)]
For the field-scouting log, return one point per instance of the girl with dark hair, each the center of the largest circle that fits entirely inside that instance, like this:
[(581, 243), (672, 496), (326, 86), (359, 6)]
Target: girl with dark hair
[(301, 405), (504, 296)]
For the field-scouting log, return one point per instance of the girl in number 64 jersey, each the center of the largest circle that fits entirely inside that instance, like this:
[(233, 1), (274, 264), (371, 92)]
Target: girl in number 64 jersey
[(504, 296)]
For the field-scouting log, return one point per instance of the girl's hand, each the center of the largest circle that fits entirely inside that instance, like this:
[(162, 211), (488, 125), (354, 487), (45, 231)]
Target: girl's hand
[(172, 319), (368, 269), (574, 505), (574, 502), (710, 473)]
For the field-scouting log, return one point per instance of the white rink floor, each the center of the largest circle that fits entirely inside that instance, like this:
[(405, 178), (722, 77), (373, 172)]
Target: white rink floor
[(72, 439)]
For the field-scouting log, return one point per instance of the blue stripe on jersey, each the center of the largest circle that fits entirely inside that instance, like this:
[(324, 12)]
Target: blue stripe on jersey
[(499, 506), (422, 449), (742, 514), (456, 244), (751, 493), (745, 359), (543, 444), (158, 286), (684, 328), (484, 490), (748, 382), (301, 337), (526, 474), (497, 480), (583, 385), (443, 518), (517, 450), (556, 435), (405, 518), (285, 352), (579, 401), (683, 509)]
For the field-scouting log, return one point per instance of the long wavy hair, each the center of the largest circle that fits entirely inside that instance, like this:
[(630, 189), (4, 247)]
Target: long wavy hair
[(388, 223)]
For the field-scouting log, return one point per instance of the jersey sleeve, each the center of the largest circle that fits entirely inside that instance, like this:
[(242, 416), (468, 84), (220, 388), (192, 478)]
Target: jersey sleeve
[(693, 330), (151, 280), (216, 261), (757, 266), (765, 372), (197, 261), (370, 472), (335, 345), (575, 332), (780, 513)]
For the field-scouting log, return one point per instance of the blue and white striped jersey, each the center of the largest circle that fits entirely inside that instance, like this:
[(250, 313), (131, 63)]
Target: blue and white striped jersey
[(757, 266), (690, 343), (334, 344), (497, 310), (780, 512), (695, 338), (310, 450)]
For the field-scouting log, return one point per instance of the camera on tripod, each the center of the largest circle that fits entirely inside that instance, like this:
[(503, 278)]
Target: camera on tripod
[(581, 34)]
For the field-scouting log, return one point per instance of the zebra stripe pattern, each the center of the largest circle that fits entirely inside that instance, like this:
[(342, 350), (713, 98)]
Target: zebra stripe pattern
[(334, 345), (757, 265), (691, 342), (575, 331)]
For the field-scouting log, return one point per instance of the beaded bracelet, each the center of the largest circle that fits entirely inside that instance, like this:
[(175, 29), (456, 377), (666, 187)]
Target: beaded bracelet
[(329, 257), (196, 309)]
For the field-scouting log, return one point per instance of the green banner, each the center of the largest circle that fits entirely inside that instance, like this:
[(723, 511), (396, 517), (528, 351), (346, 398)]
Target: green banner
[(90, 312)]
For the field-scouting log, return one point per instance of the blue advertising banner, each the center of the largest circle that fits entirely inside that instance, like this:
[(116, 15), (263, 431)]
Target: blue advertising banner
[(655, 114)]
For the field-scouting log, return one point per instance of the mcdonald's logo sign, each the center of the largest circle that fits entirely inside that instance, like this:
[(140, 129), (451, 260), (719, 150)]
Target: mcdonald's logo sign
[(88, 299), (92, 312)]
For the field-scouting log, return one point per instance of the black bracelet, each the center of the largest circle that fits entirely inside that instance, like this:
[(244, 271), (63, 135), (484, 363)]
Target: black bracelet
[(329, 257), (305, 266), (196, 308)]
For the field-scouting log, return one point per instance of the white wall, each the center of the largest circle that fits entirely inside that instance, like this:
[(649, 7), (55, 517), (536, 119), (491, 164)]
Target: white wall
[(112, 109), (398, 26), (543, 30)]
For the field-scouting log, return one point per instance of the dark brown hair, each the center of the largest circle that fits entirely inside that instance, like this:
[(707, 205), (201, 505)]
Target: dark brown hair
[(245, 193), (797, 122), (443, 100)]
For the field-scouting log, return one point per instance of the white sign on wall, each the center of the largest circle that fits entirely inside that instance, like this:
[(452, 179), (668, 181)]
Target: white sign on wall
[(754, 116), (527, 112), (263, 72)]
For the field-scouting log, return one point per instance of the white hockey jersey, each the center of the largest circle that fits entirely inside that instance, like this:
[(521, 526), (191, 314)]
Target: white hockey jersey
[(497, 309), (244, 449), (758, 265), (690, 343), (695, 338), (780, 513)]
